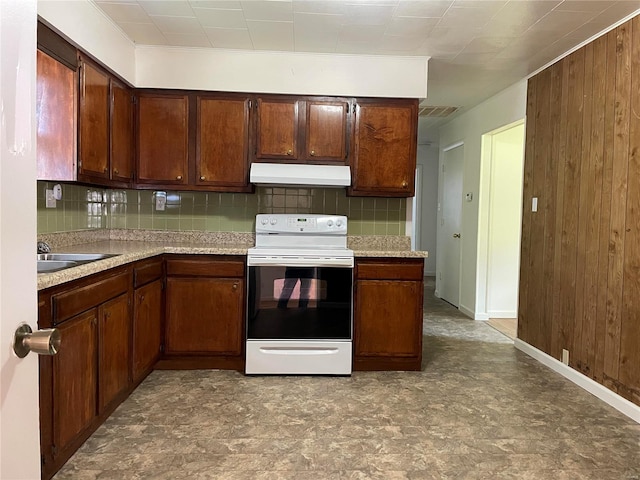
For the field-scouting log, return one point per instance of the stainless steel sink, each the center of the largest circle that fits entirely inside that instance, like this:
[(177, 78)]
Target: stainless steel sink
[(75, 257), (53, 262)]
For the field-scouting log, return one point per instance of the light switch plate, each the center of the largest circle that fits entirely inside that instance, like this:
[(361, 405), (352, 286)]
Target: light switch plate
[(534, 204), (50, 199), (161, 200)]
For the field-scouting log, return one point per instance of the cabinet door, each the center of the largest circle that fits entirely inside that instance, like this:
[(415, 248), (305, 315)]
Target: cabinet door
[(388, 318), (55, 119), (121, 133), (163, 138), (75, 378), (94, 122), (384, 159), (114, 335), (326, 131), (204, 315), (147, 327), (277, 136), (222, 146)]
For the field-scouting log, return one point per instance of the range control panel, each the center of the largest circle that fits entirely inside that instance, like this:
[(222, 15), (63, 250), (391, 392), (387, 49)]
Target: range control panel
[(307, 223)]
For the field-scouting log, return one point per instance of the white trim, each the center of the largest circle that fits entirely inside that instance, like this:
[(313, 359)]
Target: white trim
[(467, 311), (452, 146), (429, 273), (621, 404), (502, 314), (586, 42)]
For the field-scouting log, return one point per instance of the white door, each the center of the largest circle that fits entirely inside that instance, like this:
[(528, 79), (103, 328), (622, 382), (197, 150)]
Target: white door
[(19, 425), (451, 222)]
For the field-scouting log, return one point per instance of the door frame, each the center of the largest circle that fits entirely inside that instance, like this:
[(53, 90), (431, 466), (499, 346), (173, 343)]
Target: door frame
[(439, 239)]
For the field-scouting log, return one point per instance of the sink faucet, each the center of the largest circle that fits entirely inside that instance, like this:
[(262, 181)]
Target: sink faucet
[(44, 247)]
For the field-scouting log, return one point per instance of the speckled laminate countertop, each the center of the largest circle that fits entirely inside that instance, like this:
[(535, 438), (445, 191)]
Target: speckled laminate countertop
[(128, 251)]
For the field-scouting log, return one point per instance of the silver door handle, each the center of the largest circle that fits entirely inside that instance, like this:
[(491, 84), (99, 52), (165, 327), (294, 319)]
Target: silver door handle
[(42, 342)]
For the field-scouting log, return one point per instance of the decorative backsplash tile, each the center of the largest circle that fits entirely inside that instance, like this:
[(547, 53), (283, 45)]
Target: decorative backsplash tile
[(88, 208)]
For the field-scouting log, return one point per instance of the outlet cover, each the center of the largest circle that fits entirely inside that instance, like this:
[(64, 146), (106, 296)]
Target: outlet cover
[(50, 199), (161, 200)]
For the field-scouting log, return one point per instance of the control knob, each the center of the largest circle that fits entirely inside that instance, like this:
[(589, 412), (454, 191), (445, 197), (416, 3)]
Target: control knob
[(274, 221), (329, 223), (338, 223), (264, 221)]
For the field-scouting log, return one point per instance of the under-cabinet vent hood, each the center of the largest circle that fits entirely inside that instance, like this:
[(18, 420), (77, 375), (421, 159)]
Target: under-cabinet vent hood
[(289, 174)]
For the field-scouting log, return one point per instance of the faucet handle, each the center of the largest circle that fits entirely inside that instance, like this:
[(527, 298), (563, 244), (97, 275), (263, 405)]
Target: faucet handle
[(43, 247)]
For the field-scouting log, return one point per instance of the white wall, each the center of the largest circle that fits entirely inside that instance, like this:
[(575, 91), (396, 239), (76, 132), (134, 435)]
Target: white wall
[(281, 72), (506, 159), (428, 158), (502, 109), (84, 24)]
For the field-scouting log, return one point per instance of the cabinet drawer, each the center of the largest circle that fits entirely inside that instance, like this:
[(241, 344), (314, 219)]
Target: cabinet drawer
[(68, 304), (206, 267), (376, 270), (146, 272)]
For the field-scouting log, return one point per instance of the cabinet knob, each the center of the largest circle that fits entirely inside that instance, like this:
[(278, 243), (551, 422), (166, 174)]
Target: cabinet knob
[(105, 170), (202, 178), (141, 298), (404, 184), (179, 177), (235, 286), (312, 153), (289, 152), (115, 171)]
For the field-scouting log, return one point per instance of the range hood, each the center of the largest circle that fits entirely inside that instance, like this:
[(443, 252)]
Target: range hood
[(301, 175)]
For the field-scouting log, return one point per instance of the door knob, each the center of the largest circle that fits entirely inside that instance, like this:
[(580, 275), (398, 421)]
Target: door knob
[(42, 342), (456, 235)]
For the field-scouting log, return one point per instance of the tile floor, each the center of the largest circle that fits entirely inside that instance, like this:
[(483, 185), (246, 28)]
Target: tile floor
[(479, 409)]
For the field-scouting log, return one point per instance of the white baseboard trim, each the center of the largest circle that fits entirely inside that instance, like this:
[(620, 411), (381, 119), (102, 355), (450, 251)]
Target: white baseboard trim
[(502, 314), (436, 293), (471, 314), (430, 273), (621, 404)]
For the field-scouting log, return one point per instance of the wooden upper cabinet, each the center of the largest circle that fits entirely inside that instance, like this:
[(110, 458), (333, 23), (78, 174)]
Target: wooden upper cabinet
[(222, 143), (163, 139), (94, 122), (121, 133), (56, 104), (326, 131), (277, 129), (384, 158)]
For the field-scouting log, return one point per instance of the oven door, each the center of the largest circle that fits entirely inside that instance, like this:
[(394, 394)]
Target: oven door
[(299, 315)]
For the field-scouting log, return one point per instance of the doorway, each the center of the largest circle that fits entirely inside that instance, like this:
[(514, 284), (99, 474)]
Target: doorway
[(450, 243), (505, 153)]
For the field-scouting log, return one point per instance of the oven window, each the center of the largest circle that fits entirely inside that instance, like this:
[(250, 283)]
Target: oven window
[(299, 302)]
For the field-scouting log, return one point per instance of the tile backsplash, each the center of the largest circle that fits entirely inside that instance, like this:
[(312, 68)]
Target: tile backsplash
[(85, 207)]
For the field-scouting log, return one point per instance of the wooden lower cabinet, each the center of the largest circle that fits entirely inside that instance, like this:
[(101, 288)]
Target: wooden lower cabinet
[(388, 314), (114, 349), (75, 377), (205, 312), (147, 328)]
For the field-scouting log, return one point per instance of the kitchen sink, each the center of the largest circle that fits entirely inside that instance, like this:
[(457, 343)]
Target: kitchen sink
[(53, 262)]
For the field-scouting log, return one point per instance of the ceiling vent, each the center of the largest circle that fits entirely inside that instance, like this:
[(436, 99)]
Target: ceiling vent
[(430, 111)]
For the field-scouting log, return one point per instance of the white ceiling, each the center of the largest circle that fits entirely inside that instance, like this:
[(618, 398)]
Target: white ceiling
[(477, 47)]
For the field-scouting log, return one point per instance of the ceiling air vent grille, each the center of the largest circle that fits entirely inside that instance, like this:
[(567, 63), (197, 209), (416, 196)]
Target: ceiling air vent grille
[(430, 111)]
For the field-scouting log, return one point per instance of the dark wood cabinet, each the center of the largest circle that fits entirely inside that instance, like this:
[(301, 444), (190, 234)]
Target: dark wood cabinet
[(384, 158), (163, 139), (308, 130), (277, 129), (93, 122), (74, 377), (388, 314), (121, 138), (222, 143), (56, 104), (114, 349), (148, 308), (326, 129), (205, 307)]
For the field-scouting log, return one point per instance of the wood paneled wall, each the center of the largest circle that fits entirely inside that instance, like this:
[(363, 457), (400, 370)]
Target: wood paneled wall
[(580, 264)]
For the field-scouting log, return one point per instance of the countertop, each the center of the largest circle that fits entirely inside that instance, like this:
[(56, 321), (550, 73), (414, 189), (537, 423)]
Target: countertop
[(132, 250)]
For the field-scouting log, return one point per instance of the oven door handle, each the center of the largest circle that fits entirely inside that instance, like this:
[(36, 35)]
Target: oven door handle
[(264, 261)]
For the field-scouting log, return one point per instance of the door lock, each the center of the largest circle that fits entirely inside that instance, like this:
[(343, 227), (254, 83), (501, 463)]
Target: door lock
[(456, 235), (42, 342)]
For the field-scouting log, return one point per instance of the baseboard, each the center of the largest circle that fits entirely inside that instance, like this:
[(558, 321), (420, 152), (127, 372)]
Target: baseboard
[(502, 314), (621, 404), (471, 314), (430, 273)]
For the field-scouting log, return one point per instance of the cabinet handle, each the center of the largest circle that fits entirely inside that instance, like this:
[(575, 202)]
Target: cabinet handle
[(312, 153), (105, 170), (179, 177), (141, 298), (289, 152), (404, 184), (235, 286), (202, 178), (115, 171)]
